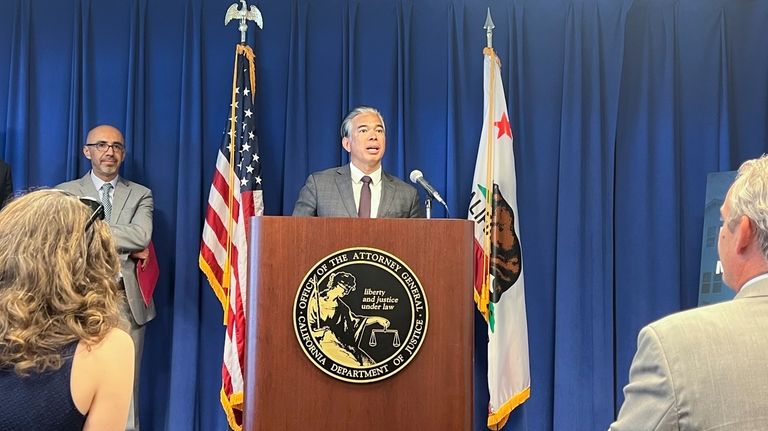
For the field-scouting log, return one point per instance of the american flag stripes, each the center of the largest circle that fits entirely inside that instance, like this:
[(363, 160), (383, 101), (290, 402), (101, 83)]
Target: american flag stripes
[(235, 195)]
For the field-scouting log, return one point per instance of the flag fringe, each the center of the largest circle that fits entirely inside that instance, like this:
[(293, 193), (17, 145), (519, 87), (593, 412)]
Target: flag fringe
[(217, 289), (499, 417), (482, 305), (234, 401)]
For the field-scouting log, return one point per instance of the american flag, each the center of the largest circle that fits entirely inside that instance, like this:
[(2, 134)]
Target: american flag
[(235, 196)]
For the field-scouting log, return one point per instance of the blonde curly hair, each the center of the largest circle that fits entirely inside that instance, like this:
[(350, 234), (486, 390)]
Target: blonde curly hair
[(57, 280)]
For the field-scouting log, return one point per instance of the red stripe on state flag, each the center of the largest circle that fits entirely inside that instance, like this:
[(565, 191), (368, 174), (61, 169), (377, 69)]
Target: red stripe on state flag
[(479, 257)]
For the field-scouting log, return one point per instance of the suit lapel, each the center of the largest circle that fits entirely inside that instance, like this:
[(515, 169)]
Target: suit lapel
[(387, 195), (122, 191), (344, 184), (87, 188)]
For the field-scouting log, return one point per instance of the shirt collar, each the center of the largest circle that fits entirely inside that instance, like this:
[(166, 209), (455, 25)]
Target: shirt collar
[(357, 174), (98, 182), (753, 281)]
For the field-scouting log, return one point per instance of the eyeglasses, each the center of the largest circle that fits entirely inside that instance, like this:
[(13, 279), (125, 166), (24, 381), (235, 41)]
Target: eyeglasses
[(97, 210), (102, 147)]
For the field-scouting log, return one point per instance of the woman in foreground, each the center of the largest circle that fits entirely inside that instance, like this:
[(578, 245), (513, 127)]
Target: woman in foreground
[(64, 363)]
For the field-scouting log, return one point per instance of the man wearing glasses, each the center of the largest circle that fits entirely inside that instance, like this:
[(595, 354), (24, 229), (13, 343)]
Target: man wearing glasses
[(128, 209)]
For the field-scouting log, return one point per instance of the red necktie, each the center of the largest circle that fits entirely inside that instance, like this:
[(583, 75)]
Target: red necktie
[(364, 210)]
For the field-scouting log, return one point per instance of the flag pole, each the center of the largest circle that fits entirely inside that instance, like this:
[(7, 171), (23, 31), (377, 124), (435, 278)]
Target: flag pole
[(485, 294)]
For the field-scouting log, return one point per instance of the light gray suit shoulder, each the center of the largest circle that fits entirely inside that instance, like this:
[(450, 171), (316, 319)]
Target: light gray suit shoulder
[(702, 369), (131, 227)]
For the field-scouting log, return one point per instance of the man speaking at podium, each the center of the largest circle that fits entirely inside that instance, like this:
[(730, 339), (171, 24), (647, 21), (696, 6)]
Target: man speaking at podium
[(360, 188), (705, 369)]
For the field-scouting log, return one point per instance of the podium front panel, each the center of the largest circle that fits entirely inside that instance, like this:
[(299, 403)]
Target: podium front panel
[(285, 391)]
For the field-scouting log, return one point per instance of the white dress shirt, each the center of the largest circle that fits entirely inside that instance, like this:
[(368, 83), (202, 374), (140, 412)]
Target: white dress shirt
[(357, 185), (98, 183)]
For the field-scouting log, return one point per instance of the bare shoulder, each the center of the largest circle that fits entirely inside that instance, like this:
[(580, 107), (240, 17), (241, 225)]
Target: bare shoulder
[(116, 341), (116, 344), (113, 370), (100, 364)]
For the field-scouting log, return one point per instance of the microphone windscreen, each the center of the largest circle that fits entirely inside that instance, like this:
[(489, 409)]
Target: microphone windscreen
[(415, 175)]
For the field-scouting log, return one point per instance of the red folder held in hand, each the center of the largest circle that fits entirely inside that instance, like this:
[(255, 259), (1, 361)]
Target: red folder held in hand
[(147, 273)]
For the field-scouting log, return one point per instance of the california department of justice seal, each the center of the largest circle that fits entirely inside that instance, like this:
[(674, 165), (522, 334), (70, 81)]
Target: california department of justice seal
[(360, 315)]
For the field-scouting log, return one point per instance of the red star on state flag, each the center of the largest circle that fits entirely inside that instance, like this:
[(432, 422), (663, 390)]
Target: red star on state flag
[(504, 127)]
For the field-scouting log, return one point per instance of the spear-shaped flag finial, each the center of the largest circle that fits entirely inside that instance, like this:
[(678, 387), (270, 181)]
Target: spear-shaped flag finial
[(489, 29)]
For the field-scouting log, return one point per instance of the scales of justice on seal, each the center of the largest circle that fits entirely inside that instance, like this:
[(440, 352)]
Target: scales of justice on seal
[(344, 316)]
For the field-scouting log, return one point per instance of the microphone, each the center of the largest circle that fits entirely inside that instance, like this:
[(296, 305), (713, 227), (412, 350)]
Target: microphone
[(418, 178)]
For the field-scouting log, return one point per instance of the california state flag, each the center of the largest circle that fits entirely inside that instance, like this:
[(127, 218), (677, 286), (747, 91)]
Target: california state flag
[(499, 292)]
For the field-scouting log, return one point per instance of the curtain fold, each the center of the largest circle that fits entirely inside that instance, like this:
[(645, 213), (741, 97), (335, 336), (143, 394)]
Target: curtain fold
[(186, 353), (75, 98), (619, 110), (647, 159), (585, 194), (17, 107)]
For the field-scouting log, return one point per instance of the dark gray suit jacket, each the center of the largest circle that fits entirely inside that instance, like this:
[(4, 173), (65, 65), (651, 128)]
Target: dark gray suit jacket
[(702, 369), (329, 193), (131, 227), (6, 184)]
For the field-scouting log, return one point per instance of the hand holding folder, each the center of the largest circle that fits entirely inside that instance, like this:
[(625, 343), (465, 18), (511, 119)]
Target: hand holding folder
[(147, 272)]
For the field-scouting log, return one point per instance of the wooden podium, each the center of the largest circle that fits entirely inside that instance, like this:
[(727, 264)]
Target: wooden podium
[(284, 390)]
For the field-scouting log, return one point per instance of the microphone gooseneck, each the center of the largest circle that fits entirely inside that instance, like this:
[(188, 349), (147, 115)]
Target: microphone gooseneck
[(417, 177)]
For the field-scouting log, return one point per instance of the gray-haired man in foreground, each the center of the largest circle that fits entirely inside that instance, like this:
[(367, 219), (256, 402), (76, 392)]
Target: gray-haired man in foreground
[(705, 369)]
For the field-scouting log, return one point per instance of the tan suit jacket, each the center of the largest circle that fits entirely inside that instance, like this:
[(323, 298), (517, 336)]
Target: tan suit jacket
[(702, 369)]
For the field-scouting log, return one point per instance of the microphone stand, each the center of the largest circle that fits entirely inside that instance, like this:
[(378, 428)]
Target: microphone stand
[(428, 206)]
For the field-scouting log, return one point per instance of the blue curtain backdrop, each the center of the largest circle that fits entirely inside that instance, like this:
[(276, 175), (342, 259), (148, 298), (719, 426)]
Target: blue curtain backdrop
[(619, 109)]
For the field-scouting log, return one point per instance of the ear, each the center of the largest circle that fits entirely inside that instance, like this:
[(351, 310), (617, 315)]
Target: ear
[(746, 234), (345, 143), (87, 152)]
